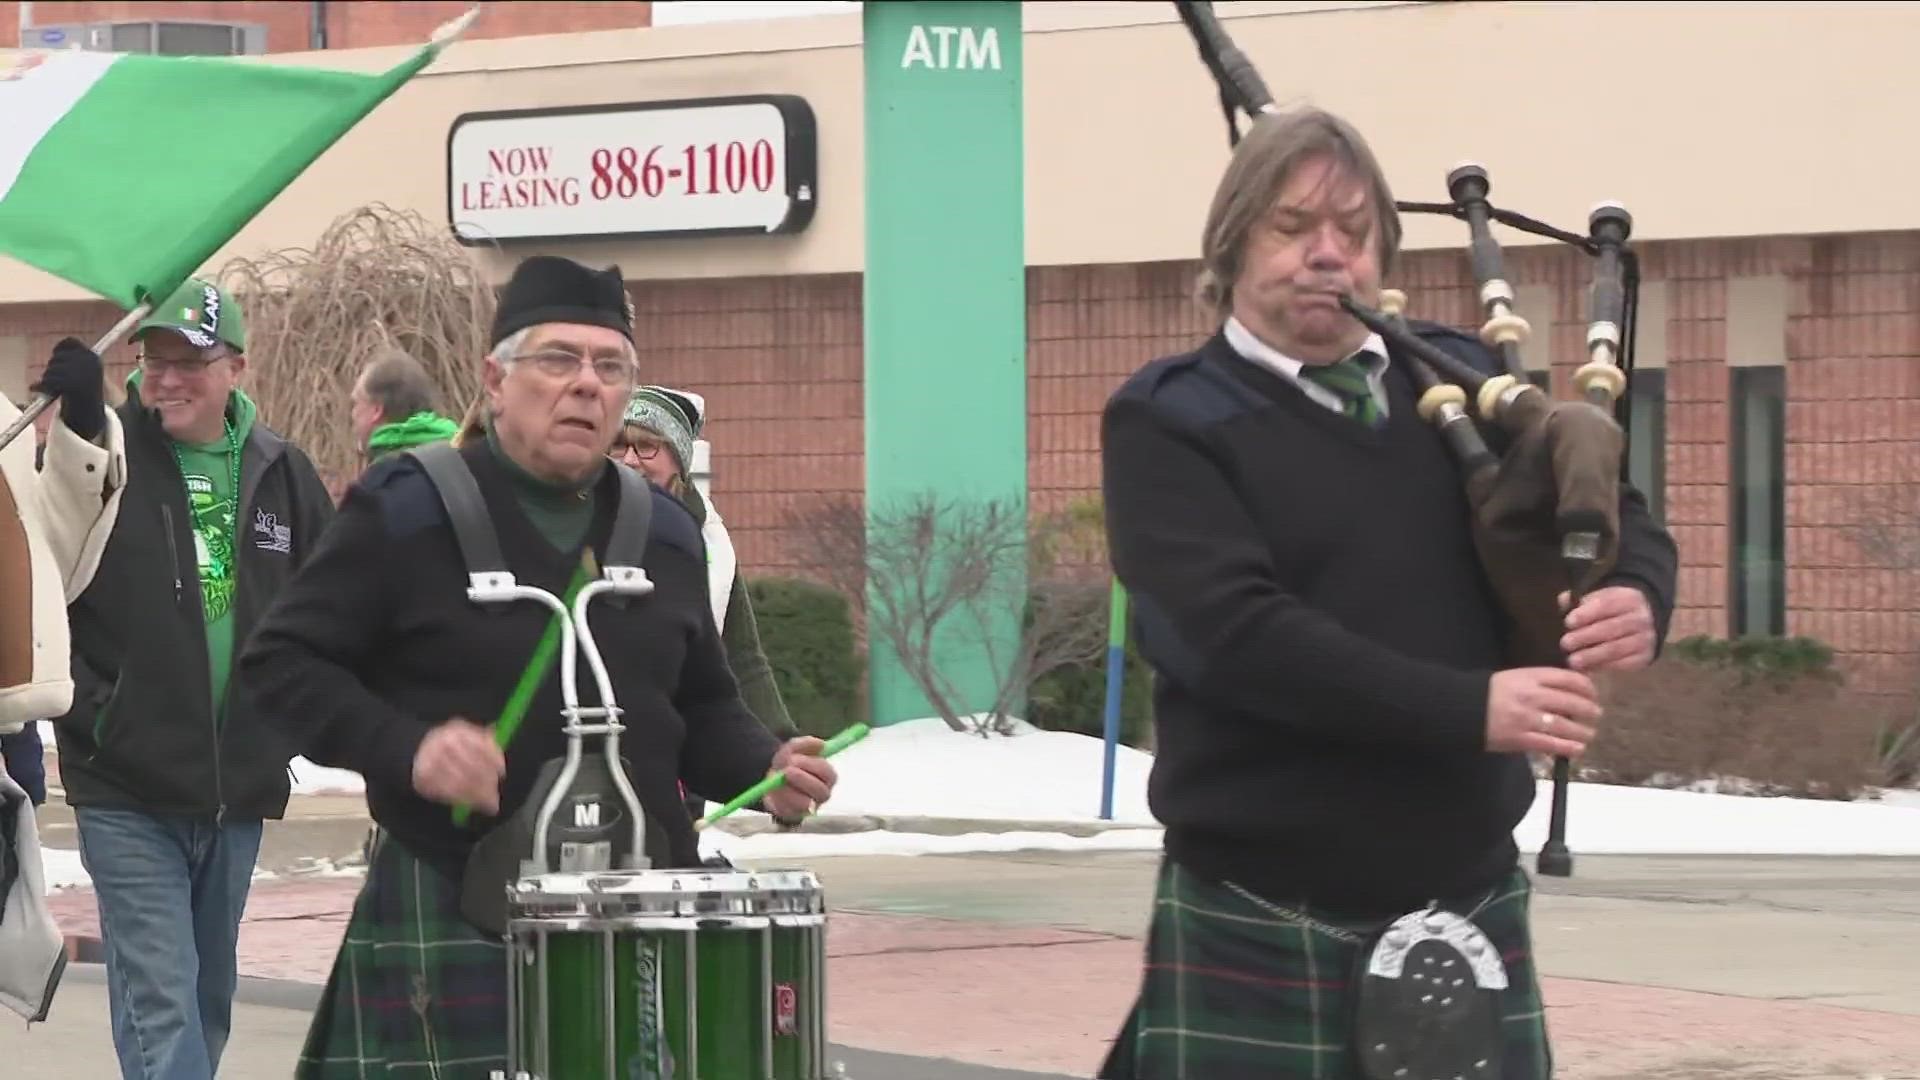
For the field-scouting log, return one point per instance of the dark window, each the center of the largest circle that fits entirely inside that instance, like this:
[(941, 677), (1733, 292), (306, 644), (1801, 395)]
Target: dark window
[(1758, 451), (1647, 438), (132, 38), (196, 39), (184, 38)]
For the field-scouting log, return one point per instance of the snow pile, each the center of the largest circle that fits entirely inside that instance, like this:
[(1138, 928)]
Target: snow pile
[(1609, 819), (62, 869), (822, 845), (923, 768), (1047, 785), (311, 779)]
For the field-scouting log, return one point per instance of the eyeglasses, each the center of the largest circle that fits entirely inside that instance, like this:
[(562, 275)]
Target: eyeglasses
[(645, 451), (156, 365), (611, 370)]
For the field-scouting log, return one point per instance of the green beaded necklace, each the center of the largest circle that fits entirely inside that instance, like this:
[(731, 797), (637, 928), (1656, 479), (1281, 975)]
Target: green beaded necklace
[(233, 466)]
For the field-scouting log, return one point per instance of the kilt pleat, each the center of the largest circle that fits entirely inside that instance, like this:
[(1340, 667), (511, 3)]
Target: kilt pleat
[(416, 992), (1234, 990)]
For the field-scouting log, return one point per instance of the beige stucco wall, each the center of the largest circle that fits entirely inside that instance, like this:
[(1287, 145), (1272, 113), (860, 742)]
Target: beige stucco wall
[(1778, 118)]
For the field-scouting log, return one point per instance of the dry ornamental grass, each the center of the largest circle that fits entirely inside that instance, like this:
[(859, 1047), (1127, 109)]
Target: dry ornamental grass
[(376, 278)]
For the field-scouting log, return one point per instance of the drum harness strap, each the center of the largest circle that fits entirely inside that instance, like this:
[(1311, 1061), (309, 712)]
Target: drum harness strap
[(498, 856), (473, 526), (480, 548)]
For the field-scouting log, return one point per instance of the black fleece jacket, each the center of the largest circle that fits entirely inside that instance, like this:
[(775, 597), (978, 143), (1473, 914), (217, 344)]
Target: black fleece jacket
[(1309, 596), (143, 732), (376, 642)]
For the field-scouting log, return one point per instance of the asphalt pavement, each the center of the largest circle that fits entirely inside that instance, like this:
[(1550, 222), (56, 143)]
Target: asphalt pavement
[(270, 1018)]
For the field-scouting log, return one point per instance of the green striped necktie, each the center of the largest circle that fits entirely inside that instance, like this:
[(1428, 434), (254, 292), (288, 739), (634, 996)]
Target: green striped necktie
[(1348, 380)]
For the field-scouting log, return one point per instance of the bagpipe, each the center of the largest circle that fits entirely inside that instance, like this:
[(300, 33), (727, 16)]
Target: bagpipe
[(1542, 476)]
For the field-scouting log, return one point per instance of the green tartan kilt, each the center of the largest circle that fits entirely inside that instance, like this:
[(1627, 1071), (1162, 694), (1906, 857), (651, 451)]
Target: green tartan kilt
[(416, 991), (1234, 991)]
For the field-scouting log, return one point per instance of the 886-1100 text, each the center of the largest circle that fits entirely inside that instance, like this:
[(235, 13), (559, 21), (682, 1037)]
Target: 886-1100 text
[(732, 168)]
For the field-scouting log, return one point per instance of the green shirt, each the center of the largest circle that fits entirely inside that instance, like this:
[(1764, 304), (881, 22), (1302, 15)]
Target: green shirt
[(417, 430), (211, 474), (562, 512)]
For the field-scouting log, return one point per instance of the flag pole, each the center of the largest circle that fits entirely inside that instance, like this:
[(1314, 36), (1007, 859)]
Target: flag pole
[(40, 401), (443, 37)]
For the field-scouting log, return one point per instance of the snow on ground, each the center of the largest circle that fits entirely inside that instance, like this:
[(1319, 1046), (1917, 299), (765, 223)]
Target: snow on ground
[(820, 845), (1900, 798), (924, 769), (311, 779), (62, 869), (1605, 819), (308, 778)]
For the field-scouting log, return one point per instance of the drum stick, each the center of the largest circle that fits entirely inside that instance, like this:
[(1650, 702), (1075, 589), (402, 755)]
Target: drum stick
[(759, 791), (535, 673)]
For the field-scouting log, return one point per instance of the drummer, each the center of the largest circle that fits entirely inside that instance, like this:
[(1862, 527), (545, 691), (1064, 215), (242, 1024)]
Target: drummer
[(381, 664)]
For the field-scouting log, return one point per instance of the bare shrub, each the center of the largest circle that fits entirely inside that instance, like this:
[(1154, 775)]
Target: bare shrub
[(1887, 523), (376, 278), (1737, 726), (930, 570)]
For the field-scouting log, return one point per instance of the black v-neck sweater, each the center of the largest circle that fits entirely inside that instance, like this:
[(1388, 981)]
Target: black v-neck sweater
[(1308, 592), (375, 642)]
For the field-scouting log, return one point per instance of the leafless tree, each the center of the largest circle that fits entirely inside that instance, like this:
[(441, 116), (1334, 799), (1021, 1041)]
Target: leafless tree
[(375, 278), (829, 544), (1888, 529), (1887, 533), (928, 570)]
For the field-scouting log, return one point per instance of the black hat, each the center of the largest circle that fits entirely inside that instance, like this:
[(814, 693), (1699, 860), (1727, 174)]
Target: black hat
[(547, 289)]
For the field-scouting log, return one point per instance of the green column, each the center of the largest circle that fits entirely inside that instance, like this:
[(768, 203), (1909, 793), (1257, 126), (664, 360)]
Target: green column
[(945, 287)]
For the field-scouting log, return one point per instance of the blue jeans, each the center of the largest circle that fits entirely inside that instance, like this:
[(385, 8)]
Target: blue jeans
[(26, 761), (171, 891)]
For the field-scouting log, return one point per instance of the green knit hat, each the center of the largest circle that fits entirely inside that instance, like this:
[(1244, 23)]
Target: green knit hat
[(675, 415)]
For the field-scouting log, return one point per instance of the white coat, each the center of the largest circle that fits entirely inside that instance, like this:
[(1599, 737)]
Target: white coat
[(54, 524)]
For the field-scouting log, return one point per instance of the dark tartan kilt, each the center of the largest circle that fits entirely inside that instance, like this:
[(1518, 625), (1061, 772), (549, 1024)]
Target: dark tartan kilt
[(416, 991), (1233, 991)]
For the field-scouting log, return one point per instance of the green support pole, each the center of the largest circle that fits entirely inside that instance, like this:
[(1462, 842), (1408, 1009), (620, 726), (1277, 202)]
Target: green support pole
[(945, 288)]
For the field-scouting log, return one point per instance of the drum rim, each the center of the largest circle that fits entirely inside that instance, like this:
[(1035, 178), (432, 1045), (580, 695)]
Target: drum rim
[(635, 882), (527, 925)]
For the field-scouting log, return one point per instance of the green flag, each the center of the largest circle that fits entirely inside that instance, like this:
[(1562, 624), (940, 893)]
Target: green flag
[(124, 173)]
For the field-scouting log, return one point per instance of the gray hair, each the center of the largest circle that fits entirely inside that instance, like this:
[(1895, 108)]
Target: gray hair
[(1265, 157), (504, 352), (399, 384), (510, 345)]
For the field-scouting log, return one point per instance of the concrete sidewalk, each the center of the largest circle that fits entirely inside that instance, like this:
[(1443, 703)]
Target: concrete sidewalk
[(270, 1020), (1697, 969)]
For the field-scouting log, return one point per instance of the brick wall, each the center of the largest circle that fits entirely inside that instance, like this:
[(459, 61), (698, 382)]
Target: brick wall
[(350, 23), (780, 363), (778, 360)]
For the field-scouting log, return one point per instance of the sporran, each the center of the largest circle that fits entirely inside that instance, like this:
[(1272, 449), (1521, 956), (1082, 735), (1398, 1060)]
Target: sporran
[(1429, 1000)]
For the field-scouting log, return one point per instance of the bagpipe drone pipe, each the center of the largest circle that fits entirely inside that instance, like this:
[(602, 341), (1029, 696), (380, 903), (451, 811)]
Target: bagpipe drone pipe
[(1542, 476)]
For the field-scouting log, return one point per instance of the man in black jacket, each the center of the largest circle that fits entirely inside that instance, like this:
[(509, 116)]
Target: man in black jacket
[(387, 668), (166, 759), (1341, 741)]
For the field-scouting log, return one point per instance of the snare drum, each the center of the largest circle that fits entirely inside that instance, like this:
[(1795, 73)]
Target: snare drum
[(667, 975)]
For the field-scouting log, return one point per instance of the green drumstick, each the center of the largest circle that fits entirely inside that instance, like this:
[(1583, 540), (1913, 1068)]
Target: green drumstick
[(759, 791)]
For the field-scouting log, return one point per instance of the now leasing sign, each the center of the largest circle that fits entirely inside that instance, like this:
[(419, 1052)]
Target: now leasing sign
[(712, 166)]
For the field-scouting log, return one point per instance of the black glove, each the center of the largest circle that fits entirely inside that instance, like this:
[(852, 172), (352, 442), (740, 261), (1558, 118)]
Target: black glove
[(74, 376)]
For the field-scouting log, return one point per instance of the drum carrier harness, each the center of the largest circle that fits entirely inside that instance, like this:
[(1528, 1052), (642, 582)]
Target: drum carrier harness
[(582, 814)]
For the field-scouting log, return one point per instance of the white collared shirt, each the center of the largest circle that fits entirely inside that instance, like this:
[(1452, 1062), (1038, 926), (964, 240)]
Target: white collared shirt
[(1373, 354)]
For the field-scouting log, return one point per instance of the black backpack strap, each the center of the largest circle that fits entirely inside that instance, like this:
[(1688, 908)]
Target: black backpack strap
[(472, 525), (628, 544)]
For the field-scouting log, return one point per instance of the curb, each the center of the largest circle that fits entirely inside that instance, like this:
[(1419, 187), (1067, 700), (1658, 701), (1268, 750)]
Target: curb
[(84, 949), (840, 824)]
